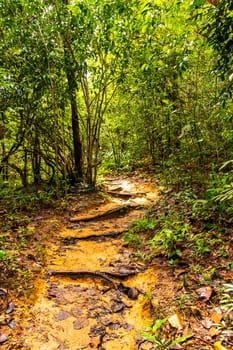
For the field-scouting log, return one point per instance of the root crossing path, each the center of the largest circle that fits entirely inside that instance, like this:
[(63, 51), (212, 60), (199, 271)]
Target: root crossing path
[(93, 294)]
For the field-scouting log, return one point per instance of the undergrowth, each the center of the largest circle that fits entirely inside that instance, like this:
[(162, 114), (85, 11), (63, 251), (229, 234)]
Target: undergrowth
[(19, 249), (182, 222), (195, 235)]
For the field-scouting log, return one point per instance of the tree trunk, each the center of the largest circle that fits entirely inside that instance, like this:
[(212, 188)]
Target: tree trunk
[(24, 177), (70, 74), (3, 151), (76, 139), (36, 159)]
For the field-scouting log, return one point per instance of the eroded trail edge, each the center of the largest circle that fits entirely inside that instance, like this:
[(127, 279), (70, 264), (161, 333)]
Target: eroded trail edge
[(93, 294)]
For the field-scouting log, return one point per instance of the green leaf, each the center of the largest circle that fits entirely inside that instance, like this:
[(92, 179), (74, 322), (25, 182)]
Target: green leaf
[(181, 340), (2, 255), (158, 324), (226, 164)]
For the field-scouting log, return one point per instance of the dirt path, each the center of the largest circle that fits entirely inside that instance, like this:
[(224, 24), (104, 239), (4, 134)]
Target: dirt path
[(93, 294)]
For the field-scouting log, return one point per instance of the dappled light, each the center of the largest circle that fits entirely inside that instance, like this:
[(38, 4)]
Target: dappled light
[(116, 174)]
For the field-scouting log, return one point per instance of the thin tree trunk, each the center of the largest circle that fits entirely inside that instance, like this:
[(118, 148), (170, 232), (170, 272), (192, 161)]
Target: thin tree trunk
[(70, 74), (77, 144), (76, 137), (36, 159), (3, 152), (24, 177)]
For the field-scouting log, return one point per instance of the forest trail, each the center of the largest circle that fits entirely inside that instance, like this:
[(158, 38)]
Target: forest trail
[(93, 293)]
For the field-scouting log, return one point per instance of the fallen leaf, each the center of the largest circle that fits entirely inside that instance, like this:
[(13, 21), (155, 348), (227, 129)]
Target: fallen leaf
[(154, 302), (146, 345), (176, 321), (218, 346), (213, 332), (179, 272), (205, 292), (207, 323), (10, 307), (230, 315), (226, 275), (3, 337), (187, 330), (11, 324), (3, 291), (177, 347), (216, 317)]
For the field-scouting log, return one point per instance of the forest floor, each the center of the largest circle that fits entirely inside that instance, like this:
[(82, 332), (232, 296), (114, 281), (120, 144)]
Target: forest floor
[(80, 278)]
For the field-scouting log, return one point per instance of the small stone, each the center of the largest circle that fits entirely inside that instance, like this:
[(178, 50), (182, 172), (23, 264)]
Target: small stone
[(133, 293), (76, 311), (62, 315), (117, 307), (80, 323), (114, 326)]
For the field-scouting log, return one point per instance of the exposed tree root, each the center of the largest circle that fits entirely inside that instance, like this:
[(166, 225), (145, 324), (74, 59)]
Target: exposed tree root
[(73, 240), (106, 214), (132, 293), (125, 195), (82, 273)]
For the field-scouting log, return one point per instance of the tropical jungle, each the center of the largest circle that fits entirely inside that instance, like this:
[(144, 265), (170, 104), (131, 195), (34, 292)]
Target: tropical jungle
[(116, 174)]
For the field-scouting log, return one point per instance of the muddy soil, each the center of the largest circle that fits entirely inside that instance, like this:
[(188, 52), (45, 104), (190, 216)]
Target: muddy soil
[(93, 294)]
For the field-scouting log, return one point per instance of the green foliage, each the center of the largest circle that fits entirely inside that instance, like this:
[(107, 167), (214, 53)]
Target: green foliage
[(201, 244), (2, 255), (227, 300), (225, 192), (227, 303), (216, 26), (209, 273), (202, 209), (133, 239), (154, 335), (173, 233), (217, 201), (171, 237), (165, 113), (139, 77), (7, 265), (137, 227), (79, 59), (148, 296), (143, 225), (29, 199)]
